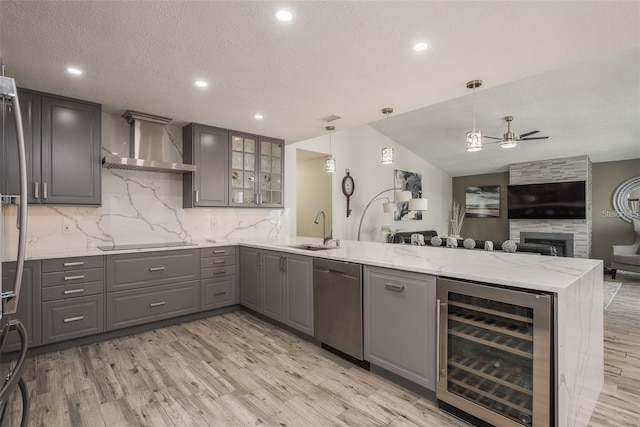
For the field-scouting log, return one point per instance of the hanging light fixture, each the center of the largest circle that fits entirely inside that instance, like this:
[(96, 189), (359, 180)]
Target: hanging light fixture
[(330, 162), (387, 152), (474, 136)]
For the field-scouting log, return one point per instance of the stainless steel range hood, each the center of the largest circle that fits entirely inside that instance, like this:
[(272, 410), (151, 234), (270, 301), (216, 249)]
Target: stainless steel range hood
[(146, 146)]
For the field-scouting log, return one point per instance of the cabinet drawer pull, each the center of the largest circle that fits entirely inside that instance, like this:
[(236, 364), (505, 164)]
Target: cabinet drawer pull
[(73, 291), (216, 294), (219, 262), (219, 272), (73, 264), (395, 288), (221, 251), (156, 268), (73, 319), (157, 304), (74, 277)]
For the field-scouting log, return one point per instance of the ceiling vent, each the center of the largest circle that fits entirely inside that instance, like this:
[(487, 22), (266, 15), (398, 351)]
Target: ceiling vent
[(330, 118)]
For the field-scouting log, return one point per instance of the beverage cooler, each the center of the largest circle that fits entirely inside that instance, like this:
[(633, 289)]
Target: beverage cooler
[(495, 354)]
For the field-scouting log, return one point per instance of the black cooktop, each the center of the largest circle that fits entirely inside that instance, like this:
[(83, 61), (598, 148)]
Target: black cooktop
[(144, 246)]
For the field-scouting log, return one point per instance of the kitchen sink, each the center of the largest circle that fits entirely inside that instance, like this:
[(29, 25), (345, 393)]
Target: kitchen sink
[(312, 247)]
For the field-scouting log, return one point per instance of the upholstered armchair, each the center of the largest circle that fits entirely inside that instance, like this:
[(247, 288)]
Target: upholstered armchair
[(627, 257)]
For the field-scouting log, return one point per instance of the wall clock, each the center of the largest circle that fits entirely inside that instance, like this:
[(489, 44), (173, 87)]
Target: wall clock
[(347, 189)]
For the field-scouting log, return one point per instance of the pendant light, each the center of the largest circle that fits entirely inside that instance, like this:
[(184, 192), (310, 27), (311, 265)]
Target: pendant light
[(474, 136), (330, 162), (387, 152)]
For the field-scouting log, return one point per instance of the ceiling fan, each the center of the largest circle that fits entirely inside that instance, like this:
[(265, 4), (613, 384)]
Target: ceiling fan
[(511, 139)]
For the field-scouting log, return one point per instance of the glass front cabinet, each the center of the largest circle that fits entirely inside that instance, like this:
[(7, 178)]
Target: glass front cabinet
[(257, 171)]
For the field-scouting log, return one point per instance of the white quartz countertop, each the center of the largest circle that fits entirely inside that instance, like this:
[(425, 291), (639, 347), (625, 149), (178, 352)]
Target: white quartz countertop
[(522, 270)]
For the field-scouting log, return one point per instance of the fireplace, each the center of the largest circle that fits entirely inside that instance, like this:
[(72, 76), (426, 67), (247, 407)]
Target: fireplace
[(563, 242)]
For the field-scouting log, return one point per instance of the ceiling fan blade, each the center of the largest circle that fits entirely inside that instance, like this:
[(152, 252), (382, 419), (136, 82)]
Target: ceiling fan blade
[(529, 139), (492, 137), (529, 133)]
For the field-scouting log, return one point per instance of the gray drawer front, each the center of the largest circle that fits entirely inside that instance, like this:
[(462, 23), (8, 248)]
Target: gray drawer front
[(132, 271), (53, 293), (218, 261), (221, 251), (218, 293), (207, 273), (76, 263), (72, 277), (128, 308), (63, 320)]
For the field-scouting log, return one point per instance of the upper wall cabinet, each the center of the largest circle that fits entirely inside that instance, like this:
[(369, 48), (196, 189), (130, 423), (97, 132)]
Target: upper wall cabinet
[(257, 171), (208, 148), (62, 138)]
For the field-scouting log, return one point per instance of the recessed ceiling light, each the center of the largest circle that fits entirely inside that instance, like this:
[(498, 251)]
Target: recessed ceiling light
[(284, 15), (419, 47), (74, 70), (201, 83), (258, 116)]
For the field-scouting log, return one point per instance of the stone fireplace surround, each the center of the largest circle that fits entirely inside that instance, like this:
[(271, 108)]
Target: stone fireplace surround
[(555, 170)]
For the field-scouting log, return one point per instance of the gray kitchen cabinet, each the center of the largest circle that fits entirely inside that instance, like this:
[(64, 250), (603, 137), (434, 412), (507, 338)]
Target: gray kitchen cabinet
[(28, 310), (400, 323), (257, 171), (250, 278), (62, 143), (278, 285), (70, 152), (208, 148), (72, 298), (218, 277), (30, 108), (273, 282), (299, 293)]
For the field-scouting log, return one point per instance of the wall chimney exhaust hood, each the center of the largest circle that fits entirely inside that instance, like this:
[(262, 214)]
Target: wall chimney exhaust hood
[(146, 146)]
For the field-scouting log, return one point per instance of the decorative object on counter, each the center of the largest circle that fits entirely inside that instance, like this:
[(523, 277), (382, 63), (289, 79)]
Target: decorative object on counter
[(469, 243), (509, 246), (452, 242), (411, 182), (436, 241), (348, 186), (474, 136), (389, 206), (456, 216), (330, 162), (390, 232), (387, 152), (483, 201), (488, 245)]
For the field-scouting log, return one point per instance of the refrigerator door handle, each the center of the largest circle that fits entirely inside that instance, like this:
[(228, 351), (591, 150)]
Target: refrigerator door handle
[(8, 86)]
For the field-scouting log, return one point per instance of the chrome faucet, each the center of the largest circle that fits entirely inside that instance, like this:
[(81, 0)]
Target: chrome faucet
[(325, 238)]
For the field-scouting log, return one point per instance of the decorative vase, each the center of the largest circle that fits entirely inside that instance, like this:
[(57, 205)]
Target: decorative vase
[(509, 246), (488, 245), (469, 243)]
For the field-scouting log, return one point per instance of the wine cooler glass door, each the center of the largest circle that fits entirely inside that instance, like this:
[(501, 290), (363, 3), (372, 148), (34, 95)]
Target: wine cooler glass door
[(490, 365)]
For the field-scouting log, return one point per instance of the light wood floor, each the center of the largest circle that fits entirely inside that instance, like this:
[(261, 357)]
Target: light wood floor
[(236, 369)]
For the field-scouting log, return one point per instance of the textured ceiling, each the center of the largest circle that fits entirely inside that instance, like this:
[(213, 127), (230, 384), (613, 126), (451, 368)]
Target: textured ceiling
[(346, 58)]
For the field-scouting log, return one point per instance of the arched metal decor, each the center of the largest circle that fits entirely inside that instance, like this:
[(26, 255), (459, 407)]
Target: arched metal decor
[(625, 199)]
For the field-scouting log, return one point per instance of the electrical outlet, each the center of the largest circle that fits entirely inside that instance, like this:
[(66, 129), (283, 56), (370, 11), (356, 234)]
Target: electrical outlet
[(66, 227)]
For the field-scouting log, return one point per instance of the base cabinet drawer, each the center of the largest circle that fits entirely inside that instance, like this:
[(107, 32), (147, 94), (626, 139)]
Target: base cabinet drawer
[(77, 317), (208, 273), (128, 308), (52, 293), (218, 293)]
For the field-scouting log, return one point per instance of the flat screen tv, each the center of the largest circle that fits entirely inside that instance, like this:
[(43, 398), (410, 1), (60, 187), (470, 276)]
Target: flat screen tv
[(558, 200)]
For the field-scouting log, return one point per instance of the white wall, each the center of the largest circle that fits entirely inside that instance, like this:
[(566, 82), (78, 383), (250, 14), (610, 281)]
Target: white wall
[(359, 150)]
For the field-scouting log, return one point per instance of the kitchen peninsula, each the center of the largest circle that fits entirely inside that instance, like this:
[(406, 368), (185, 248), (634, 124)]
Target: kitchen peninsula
[(576, 285)]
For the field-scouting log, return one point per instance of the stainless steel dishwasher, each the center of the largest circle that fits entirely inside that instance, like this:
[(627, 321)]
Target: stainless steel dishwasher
[(337, 306)]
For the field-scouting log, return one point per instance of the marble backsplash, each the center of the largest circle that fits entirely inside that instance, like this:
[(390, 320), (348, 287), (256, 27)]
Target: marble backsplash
[(138, 207)]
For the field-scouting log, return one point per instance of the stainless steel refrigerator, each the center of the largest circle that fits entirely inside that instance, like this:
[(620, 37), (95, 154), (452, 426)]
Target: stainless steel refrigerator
[(12, 150)]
